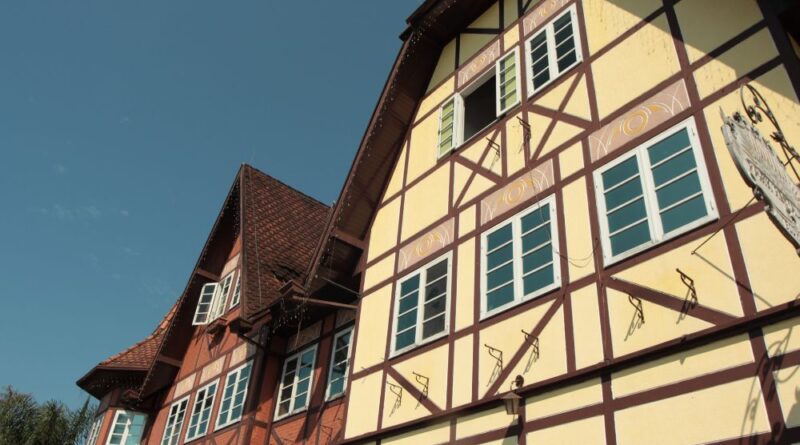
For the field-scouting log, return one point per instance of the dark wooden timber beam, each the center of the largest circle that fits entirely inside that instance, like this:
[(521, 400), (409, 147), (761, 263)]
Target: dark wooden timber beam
[(324, 303), (349, 239), (168, 360), (206, 274)]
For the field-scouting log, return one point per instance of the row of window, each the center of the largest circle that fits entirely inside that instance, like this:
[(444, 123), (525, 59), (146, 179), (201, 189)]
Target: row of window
[(548, 54), (655, 192), (298, 372), (214, 299), (294, 394)]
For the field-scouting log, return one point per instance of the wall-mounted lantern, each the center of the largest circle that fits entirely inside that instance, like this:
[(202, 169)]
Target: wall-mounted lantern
[(511, 399)]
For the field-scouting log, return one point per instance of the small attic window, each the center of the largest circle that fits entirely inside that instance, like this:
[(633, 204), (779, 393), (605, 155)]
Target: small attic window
[(479, 109), (213, 300), (480, 104)]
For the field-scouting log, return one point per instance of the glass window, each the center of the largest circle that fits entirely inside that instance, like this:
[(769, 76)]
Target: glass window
[(519, 258), (421, 305), (340, 358), (177, 412), (127, 428), (295, 388), (658, 190), (201, 411), (236, 291), (234, 396), (94, 431), (553, 50)]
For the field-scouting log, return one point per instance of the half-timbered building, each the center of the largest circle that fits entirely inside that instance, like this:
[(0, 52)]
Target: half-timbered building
[(545, 207), (245, 353)]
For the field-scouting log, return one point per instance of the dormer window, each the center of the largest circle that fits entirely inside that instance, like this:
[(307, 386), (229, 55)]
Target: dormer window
[(213, 300), (480, 104)]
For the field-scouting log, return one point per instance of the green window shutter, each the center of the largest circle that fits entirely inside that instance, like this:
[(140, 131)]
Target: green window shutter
[(506, 78), (677, 185), (625, 208), (447, 127)]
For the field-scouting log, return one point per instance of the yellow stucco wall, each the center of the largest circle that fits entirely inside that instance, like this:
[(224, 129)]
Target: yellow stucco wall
[(483, 421), (564, 399), (723, 354), (787, 384), (429, 201), (383, 235), (702, 35), (607, 20), (396, 179), (632, 68), (587, 335), (434, 434), (571, 160), (372, 322), (362, 405), (379, 271), (580, 245), (782, 337), (431, 364), (708, 415), (465, 285), (585, 431), (462, 371), (407, 410)]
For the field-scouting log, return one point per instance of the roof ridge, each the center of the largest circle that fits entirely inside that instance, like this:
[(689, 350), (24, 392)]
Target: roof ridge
[(293, 189)]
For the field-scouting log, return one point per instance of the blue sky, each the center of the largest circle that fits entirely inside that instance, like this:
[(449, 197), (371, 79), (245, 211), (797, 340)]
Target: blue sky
[(122, 125)]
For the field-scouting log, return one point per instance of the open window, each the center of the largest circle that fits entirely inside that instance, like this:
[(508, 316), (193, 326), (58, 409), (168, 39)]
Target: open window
[(213, 300), (480, 104)]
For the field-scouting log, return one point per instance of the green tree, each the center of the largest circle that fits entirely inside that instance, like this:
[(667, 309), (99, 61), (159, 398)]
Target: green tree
[(25, 422)]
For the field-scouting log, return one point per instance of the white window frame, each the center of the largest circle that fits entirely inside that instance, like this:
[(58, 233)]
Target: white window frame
[(657, 235), (458, 103), (231, 420), (516, 239), (292, 411), (551, 51), (178, 423), (127, 431), (237, 291), (422, 272), (219, 301), (207, 314), (202, 407), (328, 395), (499, 111), (94, 430)]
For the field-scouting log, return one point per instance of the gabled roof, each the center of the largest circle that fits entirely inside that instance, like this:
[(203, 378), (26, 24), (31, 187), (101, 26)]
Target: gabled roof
[(430, 27), (279, 228)]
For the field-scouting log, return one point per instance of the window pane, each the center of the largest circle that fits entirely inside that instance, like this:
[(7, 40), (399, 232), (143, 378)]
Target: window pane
[(630, 238), (500, 276), (404, 339), (434, 307), (684, 213), (536, 218), (409, 285), (620, 172), (436, 271), (500, 297), (674, 167), (668, 146), (407, 321), (435, 289), (300, 401), (337, 387), (407, 302), (536, 238), (623, 193), (626, 215), (538, 280), (343, 341), (283, 408), (433, 326), (678, 190), (499, 256), (537, 258), (288, 377), (540, 71), (498, 237)]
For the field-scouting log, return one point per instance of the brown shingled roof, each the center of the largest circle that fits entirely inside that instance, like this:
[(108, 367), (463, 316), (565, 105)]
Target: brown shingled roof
[(281, 228)]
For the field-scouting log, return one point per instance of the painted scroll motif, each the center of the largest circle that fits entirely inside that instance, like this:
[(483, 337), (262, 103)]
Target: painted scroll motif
[(649, 114), (431, 242), (517, 192), (484, 59), (541, 14)]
